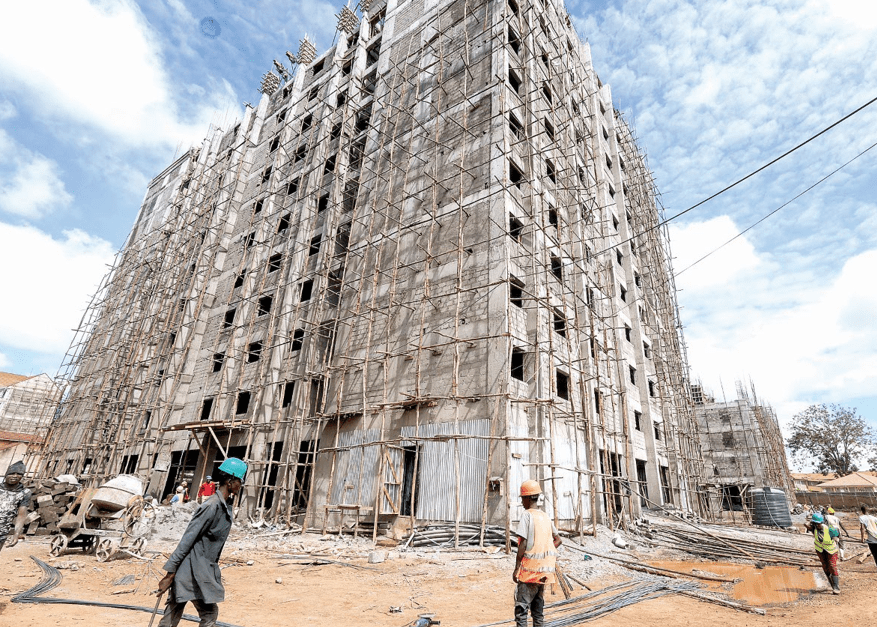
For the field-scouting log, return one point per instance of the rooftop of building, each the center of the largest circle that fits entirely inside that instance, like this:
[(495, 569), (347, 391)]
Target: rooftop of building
[(856, 479), (8, 378), (813, 476), (14, 436)]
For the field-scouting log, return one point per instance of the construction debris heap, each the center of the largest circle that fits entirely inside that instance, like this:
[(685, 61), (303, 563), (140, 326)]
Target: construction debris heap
[(429, 264)]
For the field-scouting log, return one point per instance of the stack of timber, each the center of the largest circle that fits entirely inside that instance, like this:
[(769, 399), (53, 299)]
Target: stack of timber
[(49, 501)]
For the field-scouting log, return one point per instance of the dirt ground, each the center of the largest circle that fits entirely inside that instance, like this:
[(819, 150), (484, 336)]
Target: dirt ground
[(462, 589)]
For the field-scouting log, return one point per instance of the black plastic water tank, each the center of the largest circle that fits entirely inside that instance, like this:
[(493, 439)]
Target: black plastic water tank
[(770, 508)]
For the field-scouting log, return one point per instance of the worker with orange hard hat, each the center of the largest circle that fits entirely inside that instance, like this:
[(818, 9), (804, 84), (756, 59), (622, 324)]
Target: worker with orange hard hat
[(537, 554)]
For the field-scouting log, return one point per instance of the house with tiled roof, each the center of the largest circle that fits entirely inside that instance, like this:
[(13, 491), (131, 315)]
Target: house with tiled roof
[(858, 482), (810, 481)]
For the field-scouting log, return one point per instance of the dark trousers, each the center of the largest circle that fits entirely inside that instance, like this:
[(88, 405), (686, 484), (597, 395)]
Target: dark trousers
[(529, 598), (173, 613), (829, 563), (873, 547)]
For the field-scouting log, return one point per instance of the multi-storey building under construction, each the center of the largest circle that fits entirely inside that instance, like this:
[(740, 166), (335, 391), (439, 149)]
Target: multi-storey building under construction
[(742, 447), (428, 265)]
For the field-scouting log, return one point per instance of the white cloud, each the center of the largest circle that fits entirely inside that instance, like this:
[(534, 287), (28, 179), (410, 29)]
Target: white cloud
[(801, 338), (693, 241), (861, 14), (4, 361), (99, 64), (46, 284), (30, 185)]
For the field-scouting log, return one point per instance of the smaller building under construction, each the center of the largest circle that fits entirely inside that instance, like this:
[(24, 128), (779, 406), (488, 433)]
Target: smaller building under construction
[(743, 450)]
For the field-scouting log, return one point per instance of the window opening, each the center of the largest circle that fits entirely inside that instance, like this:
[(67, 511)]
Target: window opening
[(514, 81), (254, 351), (516, 228), (516, 291), (298, 337), (517, 370), (562, 385), (557, 267), (265, 305), (288, 389), (559, 322), (243, 404), (206, 408), (283, 223)]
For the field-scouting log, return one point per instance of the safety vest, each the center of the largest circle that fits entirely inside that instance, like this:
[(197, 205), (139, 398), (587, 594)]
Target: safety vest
[(537, 565), (827, 543)]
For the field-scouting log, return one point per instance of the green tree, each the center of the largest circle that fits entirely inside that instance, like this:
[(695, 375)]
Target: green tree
[(833, 437)]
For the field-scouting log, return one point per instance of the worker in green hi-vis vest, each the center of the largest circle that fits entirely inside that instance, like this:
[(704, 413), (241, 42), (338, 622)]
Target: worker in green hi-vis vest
[(826, 548)]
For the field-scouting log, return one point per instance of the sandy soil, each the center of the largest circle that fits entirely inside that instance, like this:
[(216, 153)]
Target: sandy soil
[(462, 588)]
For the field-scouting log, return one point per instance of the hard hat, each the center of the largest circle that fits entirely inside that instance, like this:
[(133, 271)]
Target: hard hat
[(530, 488), (235, 467), (830, 510), (817, 518), (209, 477)]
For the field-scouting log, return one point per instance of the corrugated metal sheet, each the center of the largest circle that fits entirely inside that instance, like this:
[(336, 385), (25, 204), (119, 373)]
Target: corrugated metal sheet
[(355, 469), (436, 485)]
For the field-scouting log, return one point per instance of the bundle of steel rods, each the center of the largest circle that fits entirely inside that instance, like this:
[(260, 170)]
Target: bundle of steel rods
[(597, 604), (442, 536), (706, 546)]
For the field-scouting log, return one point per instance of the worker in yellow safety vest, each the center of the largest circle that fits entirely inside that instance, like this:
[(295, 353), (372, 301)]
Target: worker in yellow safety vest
[(826, 548), (537, 555)]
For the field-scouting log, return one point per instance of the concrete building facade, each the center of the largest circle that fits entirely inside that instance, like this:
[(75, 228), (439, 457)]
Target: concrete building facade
[(24, 402), (743, 448), (426, 266)]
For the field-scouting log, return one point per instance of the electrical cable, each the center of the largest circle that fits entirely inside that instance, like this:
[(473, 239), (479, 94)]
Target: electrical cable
[(771, 162), (52, 578), (785, 204), (748, 176)]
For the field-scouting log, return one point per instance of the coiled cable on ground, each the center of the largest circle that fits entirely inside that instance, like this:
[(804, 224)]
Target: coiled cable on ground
[(52, 578)]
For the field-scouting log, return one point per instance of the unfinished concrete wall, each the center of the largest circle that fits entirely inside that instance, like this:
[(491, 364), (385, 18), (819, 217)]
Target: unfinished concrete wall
[(742, 446)]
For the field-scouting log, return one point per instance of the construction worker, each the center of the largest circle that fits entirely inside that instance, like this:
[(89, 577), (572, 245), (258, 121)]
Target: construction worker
[(208, 488), (826, 548), (868, 529), (14, 501), (537, 555), (192, 570), (833, 521)]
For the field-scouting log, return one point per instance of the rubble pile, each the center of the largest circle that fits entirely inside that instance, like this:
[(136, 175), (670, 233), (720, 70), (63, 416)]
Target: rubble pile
[(49, 501)]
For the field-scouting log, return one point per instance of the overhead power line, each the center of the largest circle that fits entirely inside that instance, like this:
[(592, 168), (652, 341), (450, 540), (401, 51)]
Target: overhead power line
[(748, 176), (785, 204), (770, 163)]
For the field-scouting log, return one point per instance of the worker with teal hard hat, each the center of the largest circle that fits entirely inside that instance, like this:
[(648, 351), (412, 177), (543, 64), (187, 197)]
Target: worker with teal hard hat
[(825, 539), (192, 574), (235, 467)]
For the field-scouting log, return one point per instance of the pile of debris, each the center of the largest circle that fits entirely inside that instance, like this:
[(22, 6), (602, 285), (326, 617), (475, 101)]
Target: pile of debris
[(49, 501)]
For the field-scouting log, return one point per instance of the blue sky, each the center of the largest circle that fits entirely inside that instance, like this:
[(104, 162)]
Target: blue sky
[(98, 97)]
